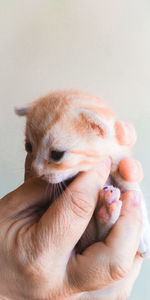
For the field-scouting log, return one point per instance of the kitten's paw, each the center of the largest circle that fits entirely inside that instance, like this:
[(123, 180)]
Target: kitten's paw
[(144, 248), (109, 205)]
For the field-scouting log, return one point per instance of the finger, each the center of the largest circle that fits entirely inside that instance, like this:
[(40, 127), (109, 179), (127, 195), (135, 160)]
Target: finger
[(102, 264), (125, 236), (68, 216), (131, 170), (124, 286), (120, 289)]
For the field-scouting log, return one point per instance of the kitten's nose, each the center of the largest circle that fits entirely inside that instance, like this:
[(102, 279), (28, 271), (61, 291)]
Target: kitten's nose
[(37, 168)]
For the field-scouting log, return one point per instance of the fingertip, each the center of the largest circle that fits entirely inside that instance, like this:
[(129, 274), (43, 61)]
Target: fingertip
[(131, 170)]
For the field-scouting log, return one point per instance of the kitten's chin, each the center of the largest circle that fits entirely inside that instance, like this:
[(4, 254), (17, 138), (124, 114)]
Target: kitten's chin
[(55, 179)]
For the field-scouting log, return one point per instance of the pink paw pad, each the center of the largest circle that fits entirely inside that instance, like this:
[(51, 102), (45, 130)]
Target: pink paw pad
[(109, 205)]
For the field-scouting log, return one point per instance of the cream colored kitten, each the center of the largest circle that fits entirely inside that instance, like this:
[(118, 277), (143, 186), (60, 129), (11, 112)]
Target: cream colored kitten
[(68, 132)]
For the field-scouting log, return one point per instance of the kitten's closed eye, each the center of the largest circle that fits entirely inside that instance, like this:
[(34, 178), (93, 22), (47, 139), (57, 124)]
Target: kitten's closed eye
[(57, 155), (28, 147)]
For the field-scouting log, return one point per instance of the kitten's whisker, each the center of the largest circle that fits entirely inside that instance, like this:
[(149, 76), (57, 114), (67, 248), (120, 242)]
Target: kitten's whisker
[(60, 188), (68, 189), (62, 192), (64, 195), (54, 191), (57, 190), (48, 193)]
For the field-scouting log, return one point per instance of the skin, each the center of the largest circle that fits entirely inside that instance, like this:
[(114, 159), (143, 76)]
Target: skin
[(37, 257), (131, 170)]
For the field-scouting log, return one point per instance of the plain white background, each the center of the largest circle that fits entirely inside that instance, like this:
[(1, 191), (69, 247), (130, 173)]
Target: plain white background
[(100, 46)]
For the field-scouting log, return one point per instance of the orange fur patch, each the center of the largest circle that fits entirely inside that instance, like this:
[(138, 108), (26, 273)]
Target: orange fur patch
[(125, 133), (57, 117)]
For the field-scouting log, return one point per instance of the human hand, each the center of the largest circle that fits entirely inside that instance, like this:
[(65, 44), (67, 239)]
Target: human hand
[(36, 250), (37, 258), (118, 254), (131, 170)]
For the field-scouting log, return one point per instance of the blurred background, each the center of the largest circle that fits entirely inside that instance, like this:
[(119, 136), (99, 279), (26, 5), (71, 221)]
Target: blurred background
[(100, 46)]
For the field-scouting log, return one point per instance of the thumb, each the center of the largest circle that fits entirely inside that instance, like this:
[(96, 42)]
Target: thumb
[(68, 216)]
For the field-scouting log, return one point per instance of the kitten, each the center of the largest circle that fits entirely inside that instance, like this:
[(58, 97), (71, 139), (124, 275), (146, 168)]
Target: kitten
[(68, 132)]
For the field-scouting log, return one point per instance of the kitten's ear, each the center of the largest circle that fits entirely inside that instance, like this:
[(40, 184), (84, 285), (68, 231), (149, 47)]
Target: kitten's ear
[(23, 110), (97, 123)]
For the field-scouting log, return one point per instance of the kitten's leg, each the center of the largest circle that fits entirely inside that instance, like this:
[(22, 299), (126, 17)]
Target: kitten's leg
[(107, 211), (126, 180), (106, 214)]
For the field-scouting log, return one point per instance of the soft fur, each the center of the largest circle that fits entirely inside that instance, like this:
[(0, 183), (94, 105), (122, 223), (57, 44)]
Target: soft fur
[(84, 128)]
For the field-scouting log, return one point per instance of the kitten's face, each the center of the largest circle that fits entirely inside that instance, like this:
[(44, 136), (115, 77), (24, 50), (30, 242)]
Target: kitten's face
[(62, 139)]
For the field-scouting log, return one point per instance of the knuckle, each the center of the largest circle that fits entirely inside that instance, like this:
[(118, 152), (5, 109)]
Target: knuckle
[(118, 271)]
